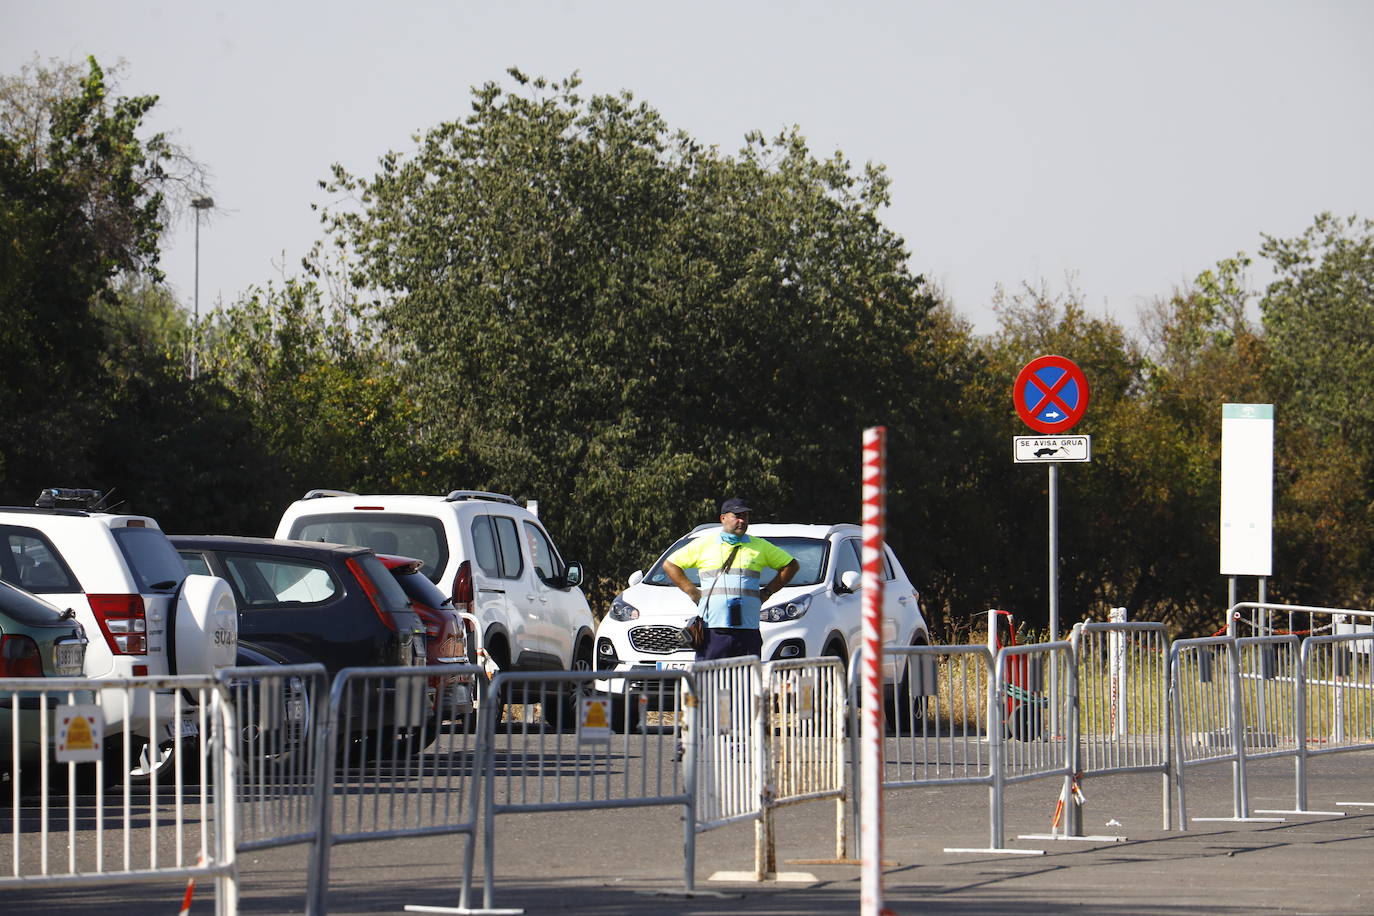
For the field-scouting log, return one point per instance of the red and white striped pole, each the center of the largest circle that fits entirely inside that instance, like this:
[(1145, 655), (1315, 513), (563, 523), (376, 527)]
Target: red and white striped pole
[(871, 756)]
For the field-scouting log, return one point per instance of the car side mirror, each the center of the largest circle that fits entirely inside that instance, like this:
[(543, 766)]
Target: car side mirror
[(849, 581), (572, 576), (636, 577)]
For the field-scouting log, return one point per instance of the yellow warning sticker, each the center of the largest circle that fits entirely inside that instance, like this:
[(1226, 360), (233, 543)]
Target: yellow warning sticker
[(80, 730), (594, 722)]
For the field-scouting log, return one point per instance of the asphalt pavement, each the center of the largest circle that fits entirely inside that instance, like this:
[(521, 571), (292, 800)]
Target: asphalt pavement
[(631, 861)]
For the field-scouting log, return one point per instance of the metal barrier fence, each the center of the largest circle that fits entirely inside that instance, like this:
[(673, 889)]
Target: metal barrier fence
[(279, 711), (727, 739), (1036, 737), (1204, 682), (1268, 681), (804, 737), (944, 724), (1336, 707), (541, 756), (390, 753), (394, 759), (1123, 696), (1261, 618), (157, 795), (960, 717)]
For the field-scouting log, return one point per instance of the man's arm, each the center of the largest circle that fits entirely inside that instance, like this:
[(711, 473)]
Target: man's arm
[(779, 582), (681, 581)]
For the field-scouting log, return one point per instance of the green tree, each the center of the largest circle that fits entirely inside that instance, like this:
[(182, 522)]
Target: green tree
[(596, 309), (320, 396), (1202, 351), (81, 203), (1318, 318)]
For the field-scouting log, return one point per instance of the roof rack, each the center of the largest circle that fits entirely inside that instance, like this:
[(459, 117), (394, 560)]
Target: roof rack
[(318, 494), (459, 495), (68, 498)]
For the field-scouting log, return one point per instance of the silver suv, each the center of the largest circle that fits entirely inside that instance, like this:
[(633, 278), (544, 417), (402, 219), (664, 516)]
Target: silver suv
[(492, 557), (143, 615)]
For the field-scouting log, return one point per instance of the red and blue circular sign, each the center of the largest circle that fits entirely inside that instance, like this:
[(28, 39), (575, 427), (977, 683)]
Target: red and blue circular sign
[(1050, 394)]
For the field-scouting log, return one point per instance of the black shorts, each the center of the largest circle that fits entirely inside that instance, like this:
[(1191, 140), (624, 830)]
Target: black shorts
[(731, 642)]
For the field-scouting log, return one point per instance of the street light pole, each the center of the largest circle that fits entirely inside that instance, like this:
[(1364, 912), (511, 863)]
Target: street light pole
[(200, 204)]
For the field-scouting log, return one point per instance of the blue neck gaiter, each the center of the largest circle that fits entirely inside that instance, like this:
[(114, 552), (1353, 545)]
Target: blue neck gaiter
[(734, 540)]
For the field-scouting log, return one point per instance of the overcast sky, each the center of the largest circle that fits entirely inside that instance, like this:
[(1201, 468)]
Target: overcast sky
[(1130, 145)]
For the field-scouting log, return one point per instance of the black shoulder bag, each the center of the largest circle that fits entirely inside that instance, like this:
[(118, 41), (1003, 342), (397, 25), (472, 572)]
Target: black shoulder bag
[(694, 634)]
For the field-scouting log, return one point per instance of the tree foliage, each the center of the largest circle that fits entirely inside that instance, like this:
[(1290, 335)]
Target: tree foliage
[(1318, 319), (594, 307), (80, 203), (321, 396)]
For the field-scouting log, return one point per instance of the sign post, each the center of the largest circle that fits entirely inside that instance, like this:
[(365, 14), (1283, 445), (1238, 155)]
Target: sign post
[(1050, 395)]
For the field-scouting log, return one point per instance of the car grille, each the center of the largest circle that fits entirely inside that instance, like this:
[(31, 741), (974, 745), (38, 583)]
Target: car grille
[(659, 640)]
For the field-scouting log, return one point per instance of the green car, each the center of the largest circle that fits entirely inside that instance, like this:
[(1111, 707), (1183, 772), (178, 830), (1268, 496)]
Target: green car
[(36, 640)]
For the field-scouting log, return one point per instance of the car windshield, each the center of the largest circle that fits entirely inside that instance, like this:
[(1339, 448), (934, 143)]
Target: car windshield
[(420, 589), (24, 608), (155, 563), (391, 533), (810, 554)]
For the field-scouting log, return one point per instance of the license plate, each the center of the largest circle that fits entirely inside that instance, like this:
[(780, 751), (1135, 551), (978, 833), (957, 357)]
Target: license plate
[(70, 658), (187, 729), (674, 666)]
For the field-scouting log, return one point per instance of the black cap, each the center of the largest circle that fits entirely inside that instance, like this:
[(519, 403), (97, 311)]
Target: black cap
[(736, 505)]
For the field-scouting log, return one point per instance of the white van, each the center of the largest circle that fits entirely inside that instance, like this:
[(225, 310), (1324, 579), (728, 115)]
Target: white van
[(491, 556)]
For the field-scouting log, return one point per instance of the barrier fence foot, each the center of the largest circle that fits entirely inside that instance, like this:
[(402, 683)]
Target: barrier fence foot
[(1079, 839), (1356, 804), (688, 895), (1240, 820), (777, 877), (1308, 813), (997, 852), (466, 911)]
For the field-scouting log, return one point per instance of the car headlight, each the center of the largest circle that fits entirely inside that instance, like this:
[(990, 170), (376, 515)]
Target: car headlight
[(788, 610), (622, 610)]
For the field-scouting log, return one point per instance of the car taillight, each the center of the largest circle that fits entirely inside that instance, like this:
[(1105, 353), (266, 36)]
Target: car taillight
[(370, 589), (19, 657), (122, 621), (462, 587)]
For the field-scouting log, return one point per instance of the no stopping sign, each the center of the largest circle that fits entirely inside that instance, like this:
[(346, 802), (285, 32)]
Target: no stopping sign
[(1050, 394)]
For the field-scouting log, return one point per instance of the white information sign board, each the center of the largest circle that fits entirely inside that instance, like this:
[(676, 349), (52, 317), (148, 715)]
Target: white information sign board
[(1247, 489)]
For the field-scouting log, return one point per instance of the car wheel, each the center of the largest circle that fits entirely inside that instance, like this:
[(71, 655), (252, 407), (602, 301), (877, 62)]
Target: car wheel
[(272, 737), (414, 741), (569, 706), (905, 713), (138, 764)]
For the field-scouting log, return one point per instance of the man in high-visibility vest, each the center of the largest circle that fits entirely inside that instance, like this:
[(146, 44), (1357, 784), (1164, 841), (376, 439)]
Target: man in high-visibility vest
[(729, 598)]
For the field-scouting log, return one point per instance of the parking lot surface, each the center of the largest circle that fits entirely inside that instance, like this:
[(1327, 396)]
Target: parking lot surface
[(630, 862)]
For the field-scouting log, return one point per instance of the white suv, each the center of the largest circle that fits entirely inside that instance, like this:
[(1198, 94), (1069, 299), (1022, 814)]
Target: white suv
[(143, 615), (820, 612), (491, 556)]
